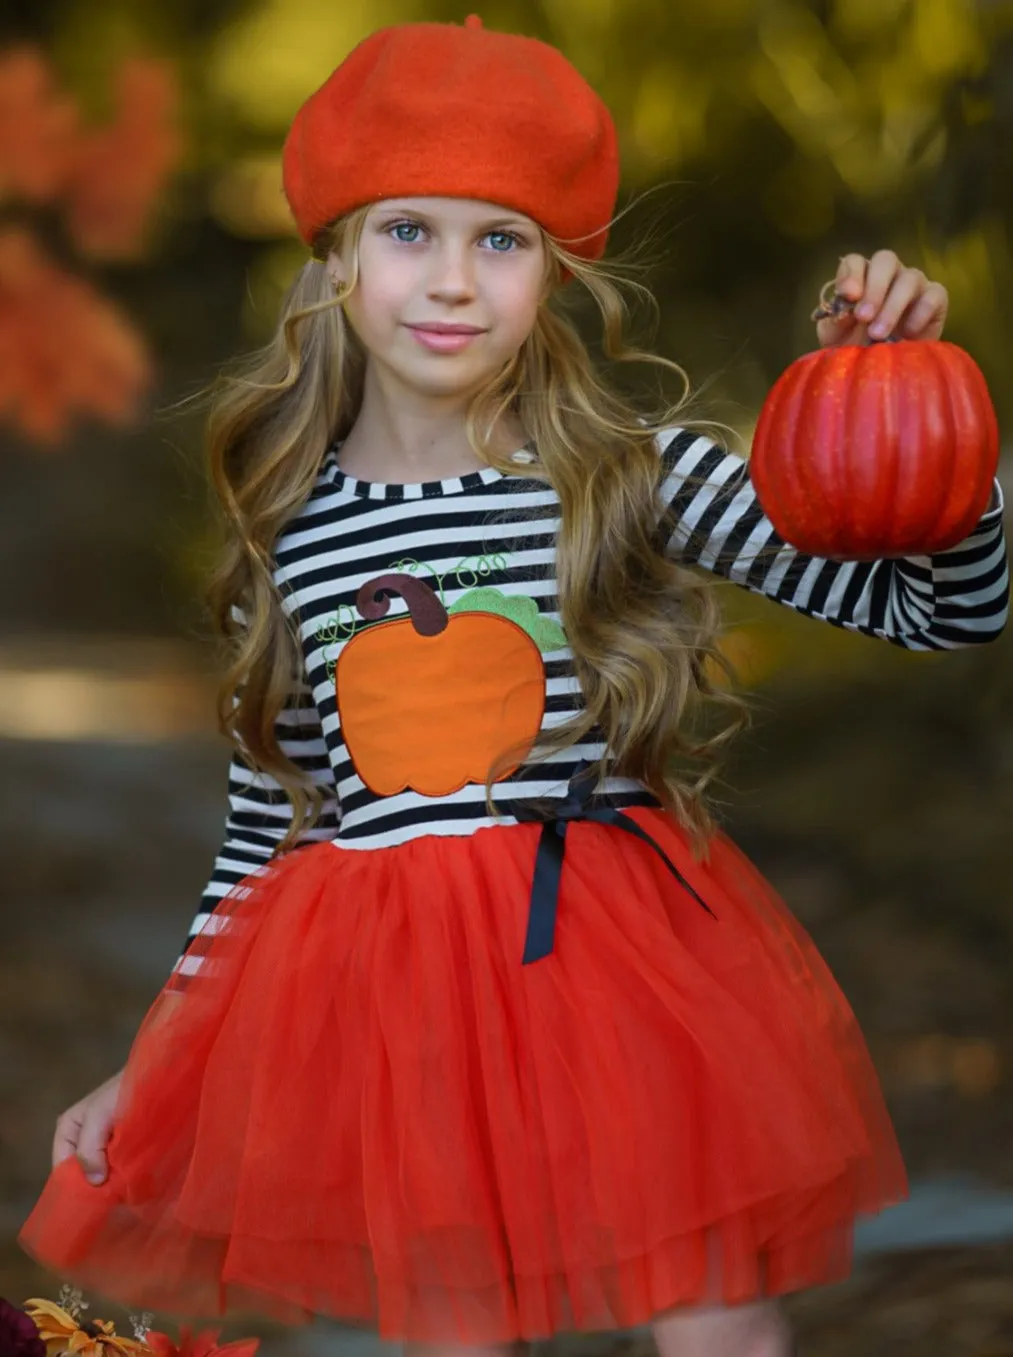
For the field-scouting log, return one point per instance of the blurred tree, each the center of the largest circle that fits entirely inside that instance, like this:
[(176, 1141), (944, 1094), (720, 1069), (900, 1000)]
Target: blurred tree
[(65, 351)]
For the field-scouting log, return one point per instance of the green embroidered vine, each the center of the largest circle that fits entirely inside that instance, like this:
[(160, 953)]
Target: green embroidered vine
[(334, 630), (467, 578), (341, 625), (484, 566)]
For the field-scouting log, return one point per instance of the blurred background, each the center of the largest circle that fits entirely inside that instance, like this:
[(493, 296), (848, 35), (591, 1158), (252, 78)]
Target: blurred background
[(144, 240)]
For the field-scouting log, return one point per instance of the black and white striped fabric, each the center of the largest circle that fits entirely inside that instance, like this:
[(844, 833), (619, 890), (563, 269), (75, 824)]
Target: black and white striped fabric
[(498, 531)]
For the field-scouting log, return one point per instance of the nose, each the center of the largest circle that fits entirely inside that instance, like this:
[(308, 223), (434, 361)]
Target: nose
[(452, 277)]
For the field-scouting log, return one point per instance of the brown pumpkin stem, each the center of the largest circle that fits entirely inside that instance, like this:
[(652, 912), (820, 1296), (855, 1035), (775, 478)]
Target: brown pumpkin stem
[(427, 613), (833, 307)]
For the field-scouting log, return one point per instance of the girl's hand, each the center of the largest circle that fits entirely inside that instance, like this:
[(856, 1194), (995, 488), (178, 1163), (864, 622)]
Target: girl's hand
[(889, 300), (84, 1130)]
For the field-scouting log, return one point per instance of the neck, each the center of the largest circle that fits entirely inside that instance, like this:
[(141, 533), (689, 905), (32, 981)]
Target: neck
[(408, 436)]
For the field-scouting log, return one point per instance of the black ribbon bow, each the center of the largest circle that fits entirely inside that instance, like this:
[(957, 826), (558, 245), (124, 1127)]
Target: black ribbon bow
[(551, 850)]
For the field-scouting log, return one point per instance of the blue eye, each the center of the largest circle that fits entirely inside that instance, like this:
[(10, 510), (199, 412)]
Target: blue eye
[(502, 241), (407, 232)]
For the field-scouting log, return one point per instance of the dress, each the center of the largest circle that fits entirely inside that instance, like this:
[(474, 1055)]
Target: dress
[(468, 1078)]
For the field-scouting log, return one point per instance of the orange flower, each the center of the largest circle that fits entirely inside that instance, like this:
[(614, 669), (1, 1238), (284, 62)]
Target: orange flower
[(62, 1332), (64, 350), (204, 1344)]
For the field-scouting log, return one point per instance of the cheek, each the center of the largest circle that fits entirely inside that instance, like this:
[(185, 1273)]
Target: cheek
[(370, 310), (378, 299), (515, 303)]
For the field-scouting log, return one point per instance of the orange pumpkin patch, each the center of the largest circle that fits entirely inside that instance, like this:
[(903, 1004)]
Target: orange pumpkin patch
[(430, 702)]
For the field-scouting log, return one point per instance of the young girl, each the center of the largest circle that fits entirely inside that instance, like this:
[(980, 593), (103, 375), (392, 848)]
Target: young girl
[(514, 1043)]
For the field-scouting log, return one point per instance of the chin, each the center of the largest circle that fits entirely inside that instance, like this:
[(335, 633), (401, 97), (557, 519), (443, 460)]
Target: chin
[(451, 381)]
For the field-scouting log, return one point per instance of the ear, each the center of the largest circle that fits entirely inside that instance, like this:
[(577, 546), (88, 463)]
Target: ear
[(336, 270)]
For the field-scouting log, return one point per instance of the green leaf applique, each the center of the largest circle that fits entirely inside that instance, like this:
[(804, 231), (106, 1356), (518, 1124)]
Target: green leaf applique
[(546, 634)]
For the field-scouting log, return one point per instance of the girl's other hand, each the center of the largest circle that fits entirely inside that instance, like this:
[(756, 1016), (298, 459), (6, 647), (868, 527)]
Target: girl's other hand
[(889, 300), (84, 1130)]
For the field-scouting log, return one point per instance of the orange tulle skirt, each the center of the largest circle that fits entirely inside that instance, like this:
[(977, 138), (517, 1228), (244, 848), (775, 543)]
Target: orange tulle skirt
[(364, 1106)]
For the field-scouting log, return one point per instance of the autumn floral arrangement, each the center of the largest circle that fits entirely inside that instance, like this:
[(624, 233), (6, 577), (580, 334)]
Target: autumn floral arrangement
[(45, 1328)]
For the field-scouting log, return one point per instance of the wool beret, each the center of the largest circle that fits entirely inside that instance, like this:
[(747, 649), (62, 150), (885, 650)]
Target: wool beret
[(457, 111)]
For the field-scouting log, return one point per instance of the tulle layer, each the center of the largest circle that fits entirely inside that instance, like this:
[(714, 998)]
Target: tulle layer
[(364, 1106)]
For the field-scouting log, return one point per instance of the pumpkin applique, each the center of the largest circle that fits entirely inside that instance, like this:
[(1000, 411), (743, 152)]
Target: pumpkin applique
[(432, 701)]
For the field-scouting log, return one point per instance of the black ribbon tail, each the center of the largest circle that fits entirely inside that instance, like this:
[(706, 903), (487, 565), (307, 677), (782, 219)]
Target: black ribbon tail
[(545, 892), (621, 821)]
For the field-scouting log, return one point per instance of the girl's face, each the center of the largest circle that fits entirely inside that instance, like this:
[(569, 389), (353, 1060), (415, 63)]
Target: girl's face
[(447, 291)]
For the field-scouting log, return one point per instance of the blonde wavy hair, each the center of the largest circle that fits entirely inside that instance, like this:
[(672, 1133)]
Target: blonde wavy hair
[(643, 630)]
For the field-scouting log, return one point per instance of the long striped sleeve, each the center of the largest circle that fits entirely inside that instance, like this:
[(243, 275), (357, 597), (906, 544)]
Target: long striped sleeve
[(954, 598), (259, 816)]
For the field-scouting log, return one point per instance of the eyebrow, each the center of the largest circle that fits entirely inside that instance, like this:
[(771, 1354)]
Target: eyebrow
[(486, 224)]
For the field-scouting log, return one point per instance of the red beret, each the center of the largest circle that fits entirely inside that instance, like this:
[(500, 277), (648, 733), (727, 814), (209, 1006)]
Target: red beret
[(441, 110)]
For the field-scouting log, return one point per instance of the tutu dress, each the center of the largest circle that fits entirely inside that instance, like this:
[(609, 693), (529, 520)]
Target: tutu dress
[(473, 1077)]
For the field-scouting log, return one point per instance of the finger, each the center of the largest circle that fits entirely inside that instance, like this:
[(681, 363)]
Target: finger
[(883, 269), (850, 280), (856, 334), (68, 1130), (926, 318), (904, 291), (91, 1145), (843, 329)]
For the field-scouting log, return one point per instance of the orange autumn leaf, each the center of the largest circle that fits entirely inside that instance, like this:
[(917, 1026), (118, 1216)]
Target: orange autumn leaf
[(65, 352), (38, 128), (63, 1332), (120, 170)]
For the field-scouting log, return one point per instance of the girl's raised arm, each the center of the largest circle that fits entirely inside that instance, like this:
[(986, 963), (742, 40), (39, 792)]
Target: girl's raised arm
[(955, 598)]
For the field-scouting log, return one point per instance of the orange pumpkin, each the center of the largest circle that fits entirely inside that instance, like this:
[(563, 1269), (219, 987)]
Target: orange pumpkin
[(430, 702)]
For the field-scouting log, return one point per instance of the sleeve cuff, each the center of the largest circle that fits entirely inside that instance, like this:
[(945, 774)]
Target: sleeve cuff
[(993, 516), (996, 505)]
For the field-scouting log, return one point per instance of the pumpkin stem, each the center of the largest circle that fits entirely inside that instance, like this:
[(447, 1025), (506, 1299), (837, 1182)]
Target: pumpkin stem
[(427, 613), (836, 306)]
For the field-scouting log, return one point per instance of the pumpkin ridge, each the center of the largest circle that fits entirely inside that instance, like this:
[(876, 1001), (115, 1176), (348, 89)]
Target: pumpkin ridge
[(939, 361), (893, 397), (977, 411), (843, 363), (989, 425), (803, 436)]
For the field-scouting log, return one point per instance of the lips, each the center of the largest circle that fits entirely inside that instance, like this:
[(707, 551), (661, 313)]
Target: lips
[(444, 336), (442, 327)]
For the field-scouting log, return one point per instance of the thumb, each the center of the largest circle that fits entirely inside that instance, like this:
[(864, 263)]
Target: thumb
[(91, 1147), (836, 324), (843, 329)]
